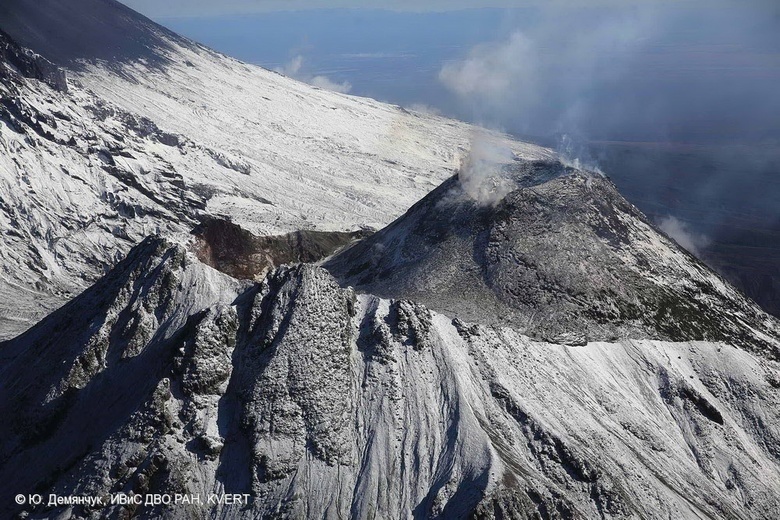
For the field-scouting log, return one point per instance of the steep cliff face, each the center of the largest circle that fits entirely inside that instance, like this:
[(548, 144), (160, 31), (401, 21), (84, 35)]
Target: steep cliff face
[(89, 385), (168, 377), (230, 249), (560, 255)]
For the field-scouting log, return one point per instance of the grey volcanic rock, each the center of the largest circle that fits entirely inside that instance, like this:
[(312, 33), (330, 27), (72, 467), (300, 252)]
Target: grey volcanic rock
[(169, 377), (296, 374), (86, 390), (30, 64), (562, 255)]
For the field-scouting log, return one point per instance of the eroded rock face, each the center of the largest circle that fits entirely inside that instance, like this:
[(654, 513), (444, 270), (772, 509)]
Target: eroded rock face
[(93, 392), (227, 247), (296, 374), (169, 377), (29, 64)]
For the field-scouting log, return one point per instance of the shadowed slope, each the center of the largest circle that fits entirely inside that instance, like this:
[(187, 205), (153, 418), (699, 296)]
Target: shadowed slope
[(67, 32)]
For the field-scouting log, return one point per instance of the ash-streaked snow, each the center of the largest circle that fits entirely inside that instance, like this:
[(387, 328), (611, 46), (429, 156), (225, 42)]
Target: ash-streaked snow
[(169, 377)]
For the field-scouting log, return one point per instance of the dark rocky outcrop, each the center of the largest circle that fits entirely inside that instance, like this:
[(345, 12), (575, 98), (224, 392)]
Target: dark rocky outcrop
[(227, 247), (30, 64)]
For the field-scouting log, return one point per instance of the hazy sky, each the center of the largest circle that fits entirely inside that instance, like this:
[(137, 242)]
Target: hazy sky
[(688, 70), (186, 8)]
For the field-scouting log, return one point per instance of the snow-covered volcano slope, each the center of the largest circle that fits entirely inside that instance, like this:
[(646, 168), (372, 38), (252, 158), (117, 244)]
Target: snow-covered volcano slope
[(556, 252), (152, 132), (322, 159), (77, 189), (169, 377)]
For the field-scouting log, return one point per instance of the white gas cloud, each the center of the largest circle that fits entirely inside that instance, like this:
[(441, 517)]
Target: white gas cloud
[(545, 78), (196, 8), (679, 231), (424, 109), (294, 69), (324, 82), (480, 171), (491, 70)]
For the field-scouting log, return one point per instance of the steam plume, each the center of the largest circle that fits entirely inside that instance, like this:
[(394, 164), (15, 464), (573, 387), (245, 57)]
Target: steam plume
[(479, 172), (693, 242), (294, 69)]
